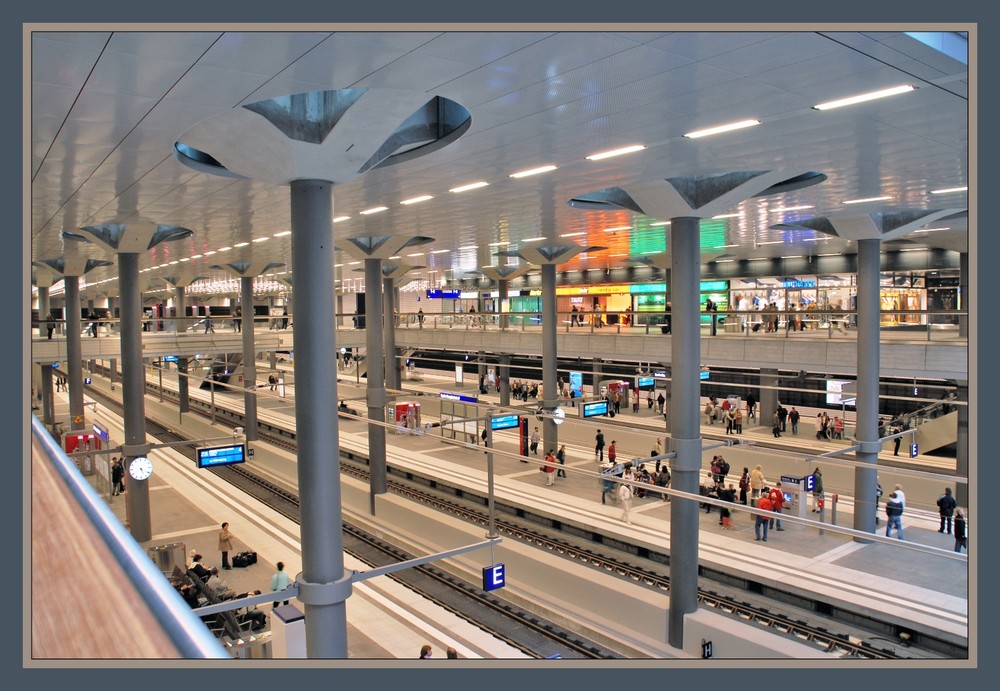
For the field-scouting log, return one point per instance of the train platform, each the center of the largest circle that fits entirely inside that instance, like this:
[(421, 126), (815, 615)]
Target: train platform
[(916, 583)]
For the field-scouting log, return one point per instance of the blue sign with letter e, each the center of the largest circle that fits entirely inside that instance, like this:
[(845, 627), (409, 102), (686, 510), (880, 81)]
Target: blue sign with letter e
[(494, 577)]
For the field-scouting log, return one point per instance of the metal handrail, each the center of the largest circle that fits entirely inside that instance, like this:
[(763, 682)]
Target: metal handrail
[(186, 631)]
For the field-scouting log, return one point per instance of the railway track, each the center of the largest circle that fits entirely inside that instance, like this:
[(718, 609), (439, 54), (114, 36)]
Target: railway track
[(544, 639)]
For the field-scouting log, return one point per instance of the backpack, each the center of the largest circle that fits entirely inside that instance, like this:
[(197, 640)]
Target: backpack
[(724, 467)]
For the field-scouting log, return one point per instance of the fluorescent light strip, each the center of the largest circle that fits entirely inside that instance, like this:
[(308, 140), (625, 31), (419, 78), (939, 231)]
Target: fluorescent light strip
[(263, 239), (185, 259), (722, 247), (869, 199), (373, 210), (759, 259), (771, 242), (196, 256), (793, 208), (532, 239), (861, 98), (616, 152), (416, 254), (207, 254), (724, 261), (950, 190), (439, 251), (660, 223), (396, 256), (725, 216), (470, 186), (223, 249), (617, 255), (417, 199), (722, 128), (829, 254), (338, 219), (913, 249), (353, 263), (794, 256), (498, 244), (469, 247), (614, 230), (573, 235), (931, 230), (241, 244), (282, 233), (532, 171)]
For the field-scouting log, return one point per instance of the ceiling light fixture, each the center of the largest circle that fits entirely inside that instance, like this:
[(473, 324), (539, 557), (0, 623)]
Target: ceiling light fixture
[(722, 247), (207, 254), (724, 261), (470, 186), (439, 251), (417, 199), (185, 259), (659, 223), (794, 256), (868, 199), (416, 254), (861, 98), (792, 208), (241, 244), (353, 263), (223, 249), (725, 216), (533, 239), (282, 233), (950, 190), (931, 230), (196, 256), (722, 128), (469, 247), (532, 171), (338, 219), (771, 242), (263, 239), (498, 244), (373, 210), (614, 230), (616, 152), (573, 235)]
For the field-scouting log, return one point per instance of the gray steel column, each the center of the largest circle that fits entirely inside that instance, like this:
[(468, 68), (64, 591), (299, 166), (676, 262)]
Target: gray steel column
[(74, 352), (249, 357), (550, 362), (869, 305), (503, 294), (375, 386), (48, 401), (43, 310), (180, 310), (503, 371), (963, 293), (133, 393), (183, 393), (961, 445), (685, 389), (392, 377), (767, 403), (318, 452), (597, 377)]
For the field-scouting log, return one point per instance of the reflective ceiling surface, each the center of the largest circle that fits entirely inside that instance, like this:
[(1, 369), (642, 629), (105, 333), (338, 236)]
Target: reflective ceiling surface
[(107, 108)]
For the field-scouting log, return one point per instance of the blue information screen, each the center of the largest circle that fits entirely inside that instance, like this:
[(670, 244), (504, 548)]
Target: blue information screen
[(644, 382), (596, 408), (458, 397), (504, 422), (221, 455)]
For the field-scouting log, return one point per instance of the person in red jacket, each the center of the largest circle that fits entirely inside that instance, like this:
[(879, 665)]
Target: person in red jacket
[(549, 467), (764, 504), (777, 497)]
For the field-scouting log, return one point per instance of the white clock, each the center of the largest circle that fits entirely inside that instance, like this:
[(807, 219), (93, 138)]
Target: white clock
[(558, 415), (140, 468)]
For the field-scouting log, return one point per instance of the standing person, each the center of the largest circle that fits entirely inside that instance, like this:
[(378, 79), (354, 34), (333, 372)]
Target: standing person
[(776, 424), (635, 401), (284, 317), (782, 416), (764, 504), (820, 427), (817, 490), (730, 421), (649, 400), (280, 581), (451, 653), (574, 316), (793, 417), (709, 412), (625, 497), (535, 438), (898, 425), (660, 400), (209, 326), (237, 322), (618, 402), (744, 485), (50, 326), (946, 508), (225, 544), (899, 494), (756, 483), (960, 539), (751, 407), (777, 497), (92, 316), (420, 317), (549, 467), (894, 511), (561, 457), (599, 446), (117, 476), (738, 421), (612, 452)]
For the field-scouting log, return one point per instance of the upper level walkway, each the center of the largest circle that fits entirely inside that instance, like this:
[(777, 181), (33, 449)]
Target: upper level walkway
[(934, 352)]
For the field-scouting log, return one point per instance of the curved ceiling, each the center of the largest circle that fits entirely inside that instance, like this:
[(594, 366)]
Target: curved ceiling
[(107, 109)]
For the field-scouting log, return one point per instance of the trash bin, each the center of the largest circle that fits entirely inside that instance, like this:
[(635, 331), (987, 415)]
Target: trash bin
[(168, 556)]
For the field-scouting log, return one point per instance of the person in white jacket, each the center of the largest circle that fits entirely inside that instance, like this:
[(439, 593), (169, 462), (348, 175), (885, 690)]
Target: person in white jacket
[(625, 495)]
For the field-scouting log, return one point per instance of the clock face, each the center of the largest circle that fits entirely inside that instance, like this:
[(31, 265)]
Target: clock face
[(558, 415), (140, 468)]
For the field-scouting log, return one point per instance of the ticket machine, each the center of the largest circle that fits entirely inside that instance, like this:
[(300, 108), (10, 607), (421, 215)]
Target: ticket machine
[(797, 486), (77, 441)]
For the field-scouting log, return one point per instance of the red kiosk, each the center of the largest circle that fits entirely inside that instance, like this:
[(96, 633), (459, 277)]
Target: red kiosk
[(406, 416)]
